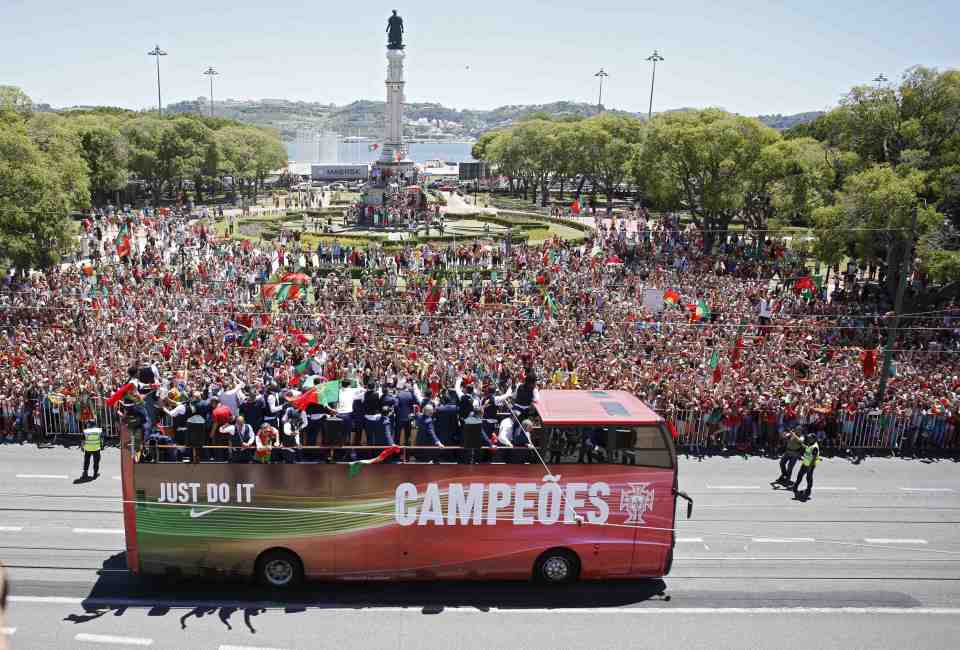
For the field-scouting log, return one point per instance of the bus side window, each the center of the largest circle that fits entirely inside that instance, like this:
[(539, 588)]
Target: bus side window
[(648, 448)]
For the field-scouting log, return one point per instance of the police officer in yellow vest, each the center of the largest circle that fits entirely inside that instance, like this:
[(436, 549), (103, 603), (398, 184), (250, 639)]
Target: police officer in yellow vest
[(811, 456), (92, 444)]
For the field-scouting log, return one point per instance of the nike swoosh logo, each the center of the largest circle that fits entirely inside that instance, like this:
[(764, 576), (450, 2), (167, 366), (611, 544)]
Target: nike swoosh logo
[(194, 514)]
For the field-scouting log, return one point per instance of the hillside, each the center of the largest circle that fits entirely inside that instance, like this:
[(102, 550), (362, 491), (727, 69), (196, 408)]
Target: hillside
[(423, 120)]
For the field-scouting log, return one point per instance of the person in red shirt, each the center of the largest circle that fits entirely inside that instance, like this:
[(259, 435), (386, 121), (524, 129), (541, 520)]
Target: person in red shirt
[(221, 416)]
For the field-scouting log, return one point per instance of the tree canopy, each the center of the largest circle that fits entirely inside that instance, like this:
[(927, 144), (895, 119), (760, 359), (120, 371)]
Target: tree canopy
[(53, 163)]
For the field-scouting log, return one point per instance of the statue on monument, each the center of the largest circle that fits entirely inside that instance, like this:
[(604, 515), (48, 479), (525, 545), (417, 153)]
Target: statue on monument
[(395, 32)]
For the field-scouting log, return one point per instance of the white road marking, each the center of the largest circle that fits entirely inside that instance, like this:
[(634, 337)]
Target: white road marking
[(781, 540), (8, 631), (116, 640), (98, 531), (911, 489), (61, 476), (692, 540), (244, 647), (134, 602), (733, 487), (10, 529), (888, 540), (116, 478)]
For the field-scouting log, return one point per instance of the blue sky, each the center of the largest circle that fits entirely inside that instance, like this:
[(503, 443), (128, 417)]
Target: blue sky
[(749, 57)]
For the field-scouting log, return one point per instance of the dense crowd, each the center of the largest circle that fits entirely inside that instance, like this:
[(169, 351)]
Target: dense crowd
[(751, 333)]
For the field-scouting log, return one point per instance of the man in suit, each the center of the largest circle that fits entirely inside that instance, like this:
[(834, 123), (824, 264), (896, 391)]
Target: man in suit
[(447, 421), (406, 401), (427, 434)]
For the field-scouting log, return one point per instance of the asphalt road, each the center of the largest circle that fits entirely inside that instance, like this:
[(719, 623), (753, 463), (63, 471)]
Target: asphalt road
[(872, 561)]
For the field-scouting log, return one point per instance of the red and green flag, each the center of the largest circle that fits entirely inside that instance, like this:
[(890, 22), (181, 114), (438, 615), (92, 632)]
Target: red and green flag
[(119, 394), (280, 291), (248, 338), (804, 286), (703, 311), (122, 242), (329, 392), (671, 297), (552, 305), (355, 467)]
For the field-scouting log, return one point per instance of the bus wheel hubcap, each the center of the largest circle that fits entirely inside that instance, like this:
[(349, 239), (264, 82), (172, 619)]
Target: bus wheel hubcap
[(279, 572), (556, 568)]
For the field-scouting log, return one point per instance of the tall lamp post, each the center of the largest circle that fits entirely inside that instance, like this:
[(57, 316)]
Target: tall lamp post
[(602, 75), (157, 52), (210, 72), (655, 57)]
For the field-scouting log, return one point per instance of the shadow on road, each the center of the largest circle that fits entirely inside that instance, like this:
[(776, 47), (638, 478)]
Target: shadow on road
[(116, 591)]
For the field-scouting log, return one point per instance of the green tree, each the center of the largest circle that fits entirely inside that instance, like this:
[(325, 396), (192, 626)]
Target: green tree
[(871, 219), (610, 142), (143, 136), (104, 149), (504, 151), (787, 181), (479, 150), (42, 178), (700, 161), (15, 100)]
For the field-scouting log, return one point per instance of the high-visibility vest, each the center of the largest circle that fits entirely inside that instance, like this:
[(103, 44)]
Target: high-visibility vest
[(92, 440), (808, 454)]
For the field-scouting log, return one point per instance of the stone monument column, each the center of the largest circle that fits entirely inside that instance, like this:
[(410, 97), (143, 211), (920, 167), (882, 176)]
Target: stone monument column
[(394, 150)]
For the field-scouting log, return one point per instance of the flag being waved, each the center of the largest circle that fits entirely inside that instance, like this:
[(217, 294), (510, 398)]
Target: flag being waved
[(357, 465)]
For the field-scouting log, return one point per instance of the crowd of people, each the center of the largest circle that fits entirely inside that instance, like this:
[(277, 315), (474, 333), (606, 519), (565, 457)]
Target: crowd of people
[(745, 336)]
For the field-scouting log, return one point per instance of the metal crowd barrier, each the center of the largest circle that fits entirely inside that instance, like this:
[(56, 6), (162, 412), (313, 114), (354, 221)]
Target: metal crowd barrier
[(863, 431), (63, 417)]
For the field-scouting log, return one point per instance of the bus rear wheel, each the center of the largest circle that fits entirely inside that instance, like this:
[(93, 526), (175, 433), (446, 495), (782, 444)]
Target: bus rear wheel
[(279, 569), (557, 567)]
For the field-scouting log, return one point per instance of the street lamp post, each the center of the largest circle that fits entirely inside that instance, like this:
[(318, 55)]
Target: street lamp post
[(210, 72), (653, 57), (602, 75), (157, 52)]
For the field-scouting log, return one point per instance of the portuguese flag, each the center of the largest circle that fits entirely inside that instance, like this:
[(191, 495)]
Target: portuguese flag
[(552, 305), (355, 467), (805, 287), (717, 368), (699, 311), (122, 242), (249, 337), (119, 394), (671, 297), (281, 291)]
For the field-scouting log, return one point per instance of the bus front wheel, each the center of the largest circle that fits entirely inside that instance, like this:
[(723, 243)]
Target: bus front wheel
[(279, 569), (557, 566)]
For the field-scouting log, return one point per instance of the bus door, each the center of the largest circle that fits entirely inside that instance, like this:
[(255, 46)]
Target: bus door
[(648, 499)]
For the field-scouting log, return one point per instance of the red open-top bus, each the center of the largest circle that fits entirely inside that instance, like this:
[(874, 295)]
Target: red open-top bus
[(602, 506)]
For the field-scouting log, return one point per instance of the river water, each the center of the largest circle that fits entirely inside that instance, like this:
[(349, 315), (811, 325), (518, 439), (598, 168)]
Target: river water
[(359, 152)]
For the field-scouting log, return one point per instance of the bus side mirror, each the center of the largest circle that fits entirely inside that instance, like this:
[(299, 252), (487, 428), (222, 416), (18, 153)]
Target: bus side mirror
[(686, 497)]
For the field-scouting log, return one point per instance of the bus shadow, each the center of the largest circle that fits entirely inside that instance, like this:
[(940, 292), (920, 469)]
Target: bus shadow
[(116, 591)]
